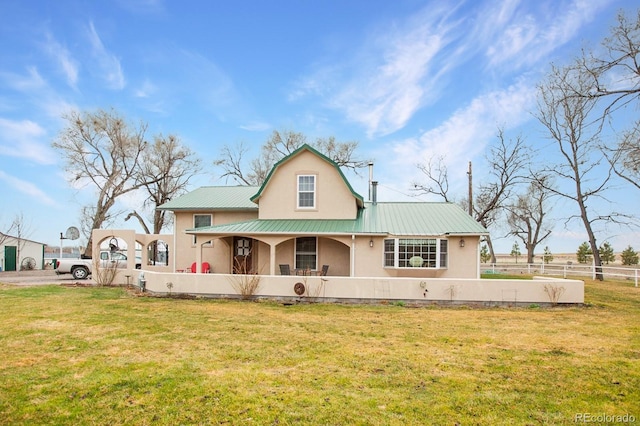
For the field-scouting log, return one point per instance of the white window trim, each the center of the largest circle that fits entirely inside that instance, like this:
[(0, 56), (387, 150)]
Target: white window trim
[(315, 190), (396, 253)]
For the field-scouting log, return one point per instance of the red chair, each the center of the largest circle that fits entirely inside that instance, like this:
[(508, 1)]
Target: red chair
[(206, 268), (193, 267)]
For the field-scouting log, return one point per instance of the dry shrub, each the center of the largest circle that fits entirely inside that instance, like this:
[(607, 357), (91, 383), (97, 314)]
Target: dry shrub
[(104, 276), (245, 282), (554, 292)]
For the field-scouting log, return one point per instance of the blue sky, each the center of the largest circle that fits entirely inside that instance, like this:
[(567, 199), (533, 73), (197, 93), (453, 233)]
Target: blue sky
[(407, 79)]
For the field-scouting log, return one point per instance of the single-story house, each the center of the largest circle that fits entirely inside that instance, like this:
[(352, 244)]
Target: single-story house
[(307, 219), (20, 253)]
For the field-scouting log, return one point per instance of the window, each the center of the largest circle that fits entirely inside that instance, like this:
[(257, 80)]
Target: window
[(444, 255), (306, 253), (306, 191), (200, 221), (415, 253)]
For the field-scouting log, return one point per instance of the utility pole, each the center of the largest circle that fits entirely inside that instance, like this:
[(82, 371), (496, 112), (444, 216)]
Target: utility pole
[(470, 191)]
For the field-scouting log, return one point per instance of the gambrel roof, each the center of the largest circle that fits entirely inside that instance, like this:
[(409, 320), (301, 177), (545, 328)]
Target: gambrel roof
[(306, 147)]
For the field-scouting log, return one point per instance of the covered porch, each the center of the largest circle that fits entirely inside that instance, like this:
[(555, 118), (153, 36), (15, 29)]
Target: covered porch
[(276, 254)]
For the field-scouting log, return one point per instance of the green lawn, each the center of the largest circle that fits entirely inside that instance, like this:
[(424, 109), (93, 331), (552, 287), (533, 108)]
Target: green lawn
[(104, 356)]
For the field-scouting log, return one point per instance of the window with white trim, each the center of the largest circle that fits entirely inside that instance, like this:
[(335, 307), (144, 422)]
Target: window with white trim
[(415, 253), (306, 253), (306, 191)]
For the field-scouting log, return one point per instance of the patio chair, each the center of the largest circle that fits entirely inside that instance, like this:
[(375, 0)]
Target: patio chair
[(325, 269), (285, 270), (193, 267), (206, 268)]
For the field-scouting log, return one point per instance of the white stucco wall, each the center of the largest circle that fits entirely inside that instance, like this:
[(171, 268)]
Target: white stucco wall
[(406, 289)]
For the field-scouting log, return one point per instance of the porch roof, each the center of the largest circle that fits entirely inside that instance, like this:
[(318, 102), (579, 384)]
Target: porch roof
[(429, 219)]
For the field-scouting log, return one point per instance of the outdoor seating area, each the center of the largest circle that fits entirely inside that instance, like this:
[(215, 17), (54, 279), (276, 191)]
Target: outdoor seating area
[(285, 269), (206, 268)]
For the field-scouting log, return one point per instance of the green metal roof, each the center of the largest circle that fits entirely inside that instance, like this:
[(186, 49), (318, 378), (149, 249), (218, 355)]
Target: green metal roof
[(214, 198), (432, 219), (309, 148)]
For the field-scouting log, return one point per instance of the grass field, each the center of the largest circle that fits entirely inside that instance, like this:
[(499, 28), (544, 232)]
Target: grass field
[(105, 356)]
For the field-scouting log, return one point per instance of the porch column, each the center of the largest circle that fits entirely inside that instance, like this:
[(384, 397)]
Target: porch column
[(199, 256), (272, 259)]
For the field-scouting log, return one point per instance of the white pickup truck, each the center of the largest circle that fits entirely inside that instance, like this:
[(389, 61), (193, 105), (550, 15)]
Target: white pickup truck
[(81, 268)]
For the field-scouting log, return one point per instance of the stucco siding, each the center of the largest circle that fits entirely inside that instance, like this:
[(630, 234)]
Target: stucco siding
[(217, 254), (334, 200)]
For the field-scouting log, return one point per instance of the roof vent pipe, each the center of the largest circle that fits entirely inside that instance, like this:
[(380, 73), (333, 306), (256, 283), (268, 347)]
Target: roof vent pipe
[(374, 192)]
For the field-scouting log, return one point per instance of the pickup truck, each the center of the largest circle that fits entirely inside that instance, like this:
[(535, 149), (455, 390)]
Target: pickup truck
[(81, 268)]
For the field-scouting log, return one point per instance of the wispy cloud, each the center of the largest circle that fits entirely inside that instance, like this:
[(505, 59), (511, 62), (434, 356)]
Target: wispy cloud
[(393, 75), (409, 67), (27, 188), (22, 139), (34, 88), (24, 83), (108, 63), (526, 39), (466, 133), (63, 57)]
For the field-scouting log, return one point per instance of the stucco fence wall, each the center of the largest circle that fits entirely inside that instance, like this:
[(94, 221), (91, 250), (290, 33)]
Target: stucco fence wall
[(431, 290)]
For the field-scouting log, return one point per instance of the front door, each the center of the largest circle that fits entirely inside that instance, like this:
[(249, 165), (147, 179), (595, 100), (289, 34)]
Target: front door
[(242, 259)]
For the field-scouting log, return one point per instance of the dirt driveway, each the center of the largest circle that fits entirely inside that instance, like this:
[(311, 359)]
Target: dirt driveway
[(38, 277)]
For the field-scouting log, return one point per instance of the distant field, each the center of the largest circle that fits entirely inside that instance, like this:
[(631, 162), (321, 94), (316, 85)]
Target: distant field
[(561, 258), (106, 356)]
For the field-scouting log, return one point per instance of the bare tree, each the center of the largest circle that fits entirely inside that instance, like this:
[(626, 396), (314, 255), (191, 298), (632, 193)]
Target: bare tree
[(612, 74), (579, 172), (233, 161), (526, 217), (435, 171), (101, 150), (626, 156), (166, 167), (508, 161)]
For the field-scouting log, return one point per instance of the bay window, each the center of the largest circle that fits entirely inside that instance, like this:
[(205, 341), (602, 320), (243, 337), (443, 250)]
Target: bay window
[(415, 253)]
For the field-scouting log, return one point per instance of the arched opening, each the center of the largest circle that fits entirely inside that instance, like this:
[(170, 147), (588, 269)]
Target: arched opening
[(158, 253)]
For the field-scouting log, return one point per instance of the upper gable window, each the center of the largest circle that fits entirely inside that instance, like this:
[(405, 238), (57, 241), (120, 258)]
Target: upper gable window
[(306, 191)]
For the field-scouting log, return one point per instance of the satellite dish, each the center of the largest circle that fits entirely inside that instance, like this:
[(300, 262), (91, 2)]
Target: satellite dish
[(72, 233)]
